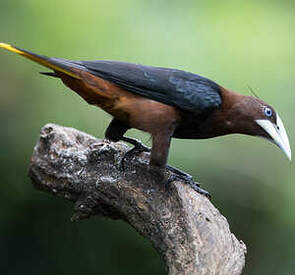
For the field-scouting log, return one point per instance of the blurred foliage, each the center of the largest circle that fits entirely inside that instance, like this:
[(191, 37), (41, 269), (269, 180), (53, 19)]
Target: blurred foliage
[(236, 43)]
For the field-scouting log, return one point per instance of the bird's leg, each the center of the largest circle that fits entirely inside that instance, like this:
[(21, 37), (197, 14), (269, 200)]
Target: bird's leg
[(159, 156), (115, 132)]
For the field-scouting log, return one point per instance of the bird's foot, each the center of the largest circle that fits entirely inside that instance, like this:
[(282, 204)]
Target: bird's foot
[(137, 144), (138, 148), (180, 175)]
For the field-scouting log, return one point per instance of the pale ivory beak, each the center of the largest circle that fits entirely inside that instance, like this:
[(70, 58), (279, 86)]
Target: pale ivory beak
[(277, 133)]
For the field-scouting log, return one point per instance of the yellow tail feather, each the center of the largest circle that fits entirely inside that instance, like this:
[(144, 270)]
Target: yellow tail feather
[(43, 60)]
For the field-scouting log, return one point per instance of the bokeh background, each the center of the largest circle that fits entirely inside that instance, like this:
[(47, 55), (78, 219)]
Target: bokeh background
[(236, 43)]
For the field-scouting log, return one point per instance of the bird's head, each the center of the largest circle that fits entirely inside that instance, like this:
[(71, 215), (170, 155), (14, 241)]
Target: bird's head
[(250, 115), (273, 129)]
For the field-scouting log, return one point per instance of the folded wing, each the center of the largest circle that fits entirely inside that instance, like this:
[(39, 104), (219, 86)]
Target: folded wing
[(187, 91)]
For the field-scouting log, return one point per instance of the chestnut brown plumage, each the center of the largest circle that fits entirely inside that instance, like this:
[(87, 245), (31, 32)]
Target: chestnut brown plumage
[(163, 102)]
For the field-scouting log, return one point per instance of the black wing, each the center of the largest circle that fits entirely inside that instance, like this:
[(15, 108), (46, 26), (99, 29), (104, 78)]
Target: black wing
[(187, 91)]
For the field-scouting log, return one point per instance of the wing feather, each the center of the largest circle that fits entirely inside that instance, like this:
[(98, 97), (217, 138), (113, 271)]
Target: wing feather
[(187, 91)]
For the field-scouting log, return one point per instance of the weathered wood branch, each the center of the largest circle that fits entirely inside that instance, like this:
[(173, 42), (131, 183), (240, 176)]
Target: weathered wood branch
[(183, 226)]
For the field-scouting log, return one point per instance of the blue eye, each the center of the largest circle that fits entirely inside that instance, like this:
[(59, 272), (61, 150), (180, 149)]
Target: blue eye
[(267, 111)]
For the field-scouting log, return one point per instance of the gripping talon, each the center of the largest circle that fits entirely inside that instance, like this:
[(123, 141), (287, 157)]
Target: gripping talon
[(138, 148), (180, 175), (138, 145)]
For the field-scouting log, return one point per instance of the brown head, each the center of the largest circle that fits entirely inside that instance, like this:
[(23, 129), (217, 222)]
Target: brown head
[(251, 116)]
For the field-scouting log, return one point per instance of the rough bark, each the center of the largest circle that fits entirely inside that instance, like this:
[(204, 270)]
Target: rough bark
[(184, 227)]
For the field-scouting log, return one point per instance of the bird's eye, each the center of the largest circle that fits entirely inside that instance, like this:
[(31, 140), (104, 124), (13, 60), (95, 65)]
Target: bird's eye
[(267, 111)]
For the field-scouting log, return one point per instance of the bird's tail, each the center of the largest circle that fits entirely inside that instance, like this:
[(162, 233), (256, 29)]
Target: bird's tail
[(56, 64)]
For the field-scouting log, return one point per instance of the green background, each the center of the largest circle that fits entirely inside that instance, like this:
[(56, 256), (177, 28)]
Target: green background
[(235, 43)]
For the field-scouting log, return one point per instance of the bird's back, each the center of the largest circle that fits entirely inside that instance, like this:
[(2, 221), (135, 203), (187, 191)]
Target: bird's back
[(187, 91)]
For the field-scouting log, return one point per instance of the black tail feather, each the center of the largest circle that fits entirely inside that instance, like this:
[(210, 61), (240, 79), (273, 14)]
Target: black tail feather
[(53, 74)]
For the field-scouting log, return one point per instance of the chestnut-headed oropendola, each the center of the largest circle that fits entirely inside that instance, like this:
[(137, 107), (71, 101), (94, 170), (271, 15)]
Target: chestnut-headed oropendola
[(165, 103)]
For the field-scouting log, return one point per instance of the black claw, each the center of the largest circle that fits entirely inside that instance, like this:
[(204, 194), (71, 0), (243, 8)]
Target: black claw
[(138, 145), (180, 175), (137, 149), (197, 188)]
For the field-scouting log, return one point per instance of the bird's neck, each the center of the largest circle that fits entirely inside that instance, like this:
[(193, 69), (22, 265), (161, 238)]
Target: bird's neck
[(232, 116), (227, 119)]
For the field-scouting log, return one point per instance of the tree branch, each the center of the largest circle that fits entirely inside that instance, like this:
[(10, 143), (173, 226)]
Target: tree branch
[(183, 226)]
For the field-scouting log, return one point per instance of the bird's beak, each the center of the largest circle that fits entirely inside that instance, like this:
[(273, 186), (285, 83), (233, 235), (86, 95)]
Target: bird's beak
[(277, 133)]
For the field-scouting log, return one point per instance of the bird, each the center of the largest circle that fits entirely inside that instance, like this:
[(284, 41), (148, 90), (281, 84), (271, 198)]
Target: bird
[(166, 103)]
